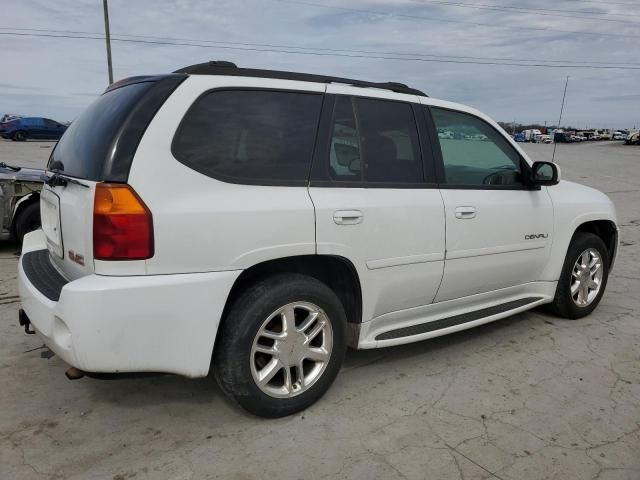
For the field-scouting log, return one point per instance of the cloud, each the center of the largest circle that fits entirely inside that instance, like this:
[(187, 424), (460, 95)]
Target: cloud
[(56, 76)]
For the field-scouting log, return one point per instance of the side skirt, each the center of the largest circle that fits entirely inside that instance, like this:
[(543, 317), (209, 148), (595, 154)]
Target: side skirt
[(441, 318), (456, 319)]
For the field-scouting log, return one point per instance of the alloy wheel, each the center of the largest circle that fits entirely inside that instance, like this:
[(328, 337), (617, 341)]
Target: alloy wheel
[(291, 350), (586, 277)]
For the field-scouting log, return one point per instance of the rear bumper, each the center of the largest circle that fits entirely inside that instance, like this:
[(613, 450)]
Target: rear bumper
[(149, 323)]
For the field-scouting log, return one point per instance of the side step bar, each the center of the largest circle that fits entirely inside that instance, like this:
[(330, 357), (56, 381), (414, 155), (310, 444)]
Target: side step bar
[(456, 319)]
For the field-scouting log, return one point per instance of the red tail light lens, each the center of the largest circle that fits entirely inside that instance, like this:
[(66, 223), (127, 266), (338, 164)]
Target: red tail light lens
[(122, 224)]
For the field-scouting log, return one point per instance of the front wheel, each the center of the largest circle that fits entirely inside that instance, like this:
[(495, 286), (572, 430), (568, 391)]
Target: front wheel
[(281, 345), (584, 277)]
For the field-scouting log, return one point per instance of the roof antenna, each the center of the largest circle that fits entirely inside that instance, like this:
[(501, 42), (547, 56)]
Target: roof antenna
[(564, 95)]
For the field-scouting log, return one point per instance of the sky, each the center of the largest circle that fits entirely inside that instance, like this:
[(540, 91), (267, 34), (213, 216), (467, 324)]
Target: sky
[(377, 40)]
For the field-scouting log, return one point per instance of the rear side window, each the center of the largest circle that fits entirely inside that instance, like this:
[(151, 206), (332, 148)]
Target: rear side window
[(250, 136), (85, 146), (374, 141)]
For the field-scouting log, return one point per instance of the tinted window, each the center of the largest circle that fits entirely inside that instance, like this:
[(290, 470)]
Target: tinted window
[(32, 122), (473, 152), (85, 146), (344, 153), (250, 136), (382, 146)]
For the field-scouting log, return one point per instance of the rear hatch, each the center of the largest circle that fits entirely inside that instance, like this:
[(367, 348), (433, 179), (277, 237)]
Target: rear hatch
[(98, 147)]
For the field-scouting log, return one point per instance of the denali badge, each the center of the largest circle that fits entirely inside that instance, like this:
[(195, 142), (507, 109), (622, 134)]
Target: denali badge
[(76, 257), (533, 236)]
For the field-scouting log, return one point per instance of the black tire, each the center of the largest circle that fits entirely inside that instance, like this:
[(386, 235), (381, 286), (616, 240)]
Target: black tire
[(20, 136), (563, 304), (232, 354), (28, 220)]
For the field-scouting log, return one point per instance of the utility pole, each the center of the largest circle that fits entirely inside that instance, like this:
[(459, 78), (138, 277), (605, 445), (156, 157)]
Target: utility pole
[(107, 35)]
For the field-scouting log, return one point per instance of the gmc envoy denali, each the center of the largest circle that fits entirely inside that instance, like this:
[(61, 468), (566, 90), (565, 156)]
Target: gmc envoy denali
[(258, 222)]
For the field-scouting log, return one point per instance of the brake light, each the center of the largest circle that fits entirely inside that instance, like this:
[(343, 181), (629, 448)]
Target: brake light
[(122, 224)]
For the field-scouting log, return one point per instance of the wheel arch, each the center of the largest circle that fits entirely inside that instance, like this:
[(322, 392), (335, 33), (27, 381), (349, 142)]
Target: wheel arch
[(606, 230), (337, 272), (21, 204)]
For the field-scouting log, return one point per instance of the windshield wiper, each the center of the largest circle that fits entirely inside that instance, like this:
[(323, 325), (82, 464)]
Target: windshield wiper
[(9, 167)]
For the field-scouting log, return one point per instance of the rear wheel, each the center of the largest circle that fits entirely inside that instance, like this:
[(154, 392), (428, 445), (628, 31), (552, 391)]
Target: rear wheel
[(584, 277), (281, 346), (20, 136)]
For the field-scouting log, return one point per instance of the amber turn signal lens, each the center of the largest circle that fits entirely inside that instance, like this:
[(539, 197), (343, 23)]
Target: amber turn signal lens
[(122, 224)]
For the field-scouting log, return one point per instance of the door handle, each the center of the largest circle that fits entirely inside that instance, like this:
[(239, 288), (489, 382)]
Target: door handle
[(347, 217), (465, 212)]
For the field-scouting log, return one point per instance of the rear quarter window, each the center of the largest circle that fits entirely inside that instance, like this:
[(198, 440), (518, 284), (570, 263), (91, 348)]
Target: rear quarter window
[(250, 136)]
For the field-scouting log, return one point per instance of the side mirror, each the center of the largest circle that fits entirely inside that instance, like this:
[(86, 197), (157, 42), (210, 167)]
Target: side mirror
[(545, 173)]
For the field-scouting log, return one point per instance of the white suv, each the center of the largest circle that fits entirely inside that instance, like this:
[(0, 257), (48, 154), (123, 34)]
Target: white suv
[(260, 222)]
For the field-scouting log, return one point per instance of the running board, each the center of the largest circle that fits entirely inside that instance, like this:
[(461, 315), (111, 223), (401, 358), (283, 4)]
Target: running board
[(456, 319)]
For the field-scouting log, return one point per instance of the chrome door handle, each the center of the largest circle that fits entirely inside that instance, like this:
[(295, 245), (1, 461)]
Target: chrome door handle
[(347, 217), (465, 212)]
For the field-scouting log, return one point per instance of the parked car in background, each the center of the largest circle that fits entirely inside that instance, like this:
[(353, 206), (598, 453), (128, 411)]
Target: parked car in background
[(578, 138), (604, 135), (21, 129), (633, 138), (562, 137), (619, 135), (544, 139), (19, 201), (326, 200)]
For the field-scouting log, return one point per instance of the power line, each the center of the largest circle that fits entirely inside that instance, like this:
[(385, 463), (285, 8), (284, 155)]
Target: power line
[(447, 20), (530, 11), (599, 2), (322, 49), (328, 54)]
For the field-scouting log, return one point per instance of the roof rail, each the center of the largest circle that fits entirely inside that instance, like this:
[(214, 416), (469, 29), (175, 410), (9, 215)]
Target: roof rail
[(221, 67)]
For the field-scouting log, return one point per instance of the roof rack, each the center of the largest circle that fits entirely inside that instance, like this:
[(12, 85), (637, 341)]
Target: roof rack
[(220, 67)]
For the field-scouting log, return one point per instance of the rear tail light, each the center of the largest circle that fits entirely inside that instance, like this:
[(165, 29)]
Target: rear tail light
[(122, 224)]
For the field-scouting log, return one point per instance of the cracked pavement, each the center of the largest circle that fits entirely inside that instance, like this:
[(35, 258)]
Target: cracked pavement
[(529, 397)]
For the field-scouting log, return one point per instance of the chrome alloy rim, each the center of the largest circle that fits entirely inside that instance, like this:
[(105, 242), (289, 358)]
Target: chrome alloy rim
[(291, 350), (586, 277)]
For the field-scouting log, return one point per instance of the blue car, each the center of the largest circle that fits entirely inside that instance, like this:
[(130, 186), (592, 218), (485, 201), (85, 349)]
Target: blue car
[(21, 129)]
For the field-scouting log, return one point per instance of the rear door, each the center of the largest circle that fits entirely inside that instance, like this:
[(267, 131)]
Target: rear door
[(375, 200), (499, 230)]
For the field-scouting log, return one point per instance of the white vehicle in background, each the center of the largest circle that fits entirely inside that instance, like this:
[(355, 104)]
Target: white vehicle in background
[(530, 135), (255, 223), (633, 138), (543, 139), (619, 135)]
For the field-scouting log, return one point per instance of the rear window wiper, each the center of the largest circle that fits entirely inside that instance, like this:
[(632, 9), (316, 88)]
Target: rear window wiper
[(59, 179)]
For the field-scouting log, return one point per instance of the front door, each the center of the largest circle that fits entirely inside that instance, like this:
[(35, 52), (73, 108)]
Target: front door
[(499, 230), (375, 200)]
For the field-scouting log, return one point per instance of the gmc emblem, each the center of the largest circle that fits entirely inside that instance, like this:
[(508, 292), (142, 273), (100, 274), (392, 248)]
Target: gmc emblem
[(76, 257)]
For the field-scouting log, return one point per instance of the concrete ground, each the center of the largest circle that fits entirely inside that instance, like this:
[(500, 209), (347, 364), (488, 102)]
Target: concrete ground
[(529, 397)]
